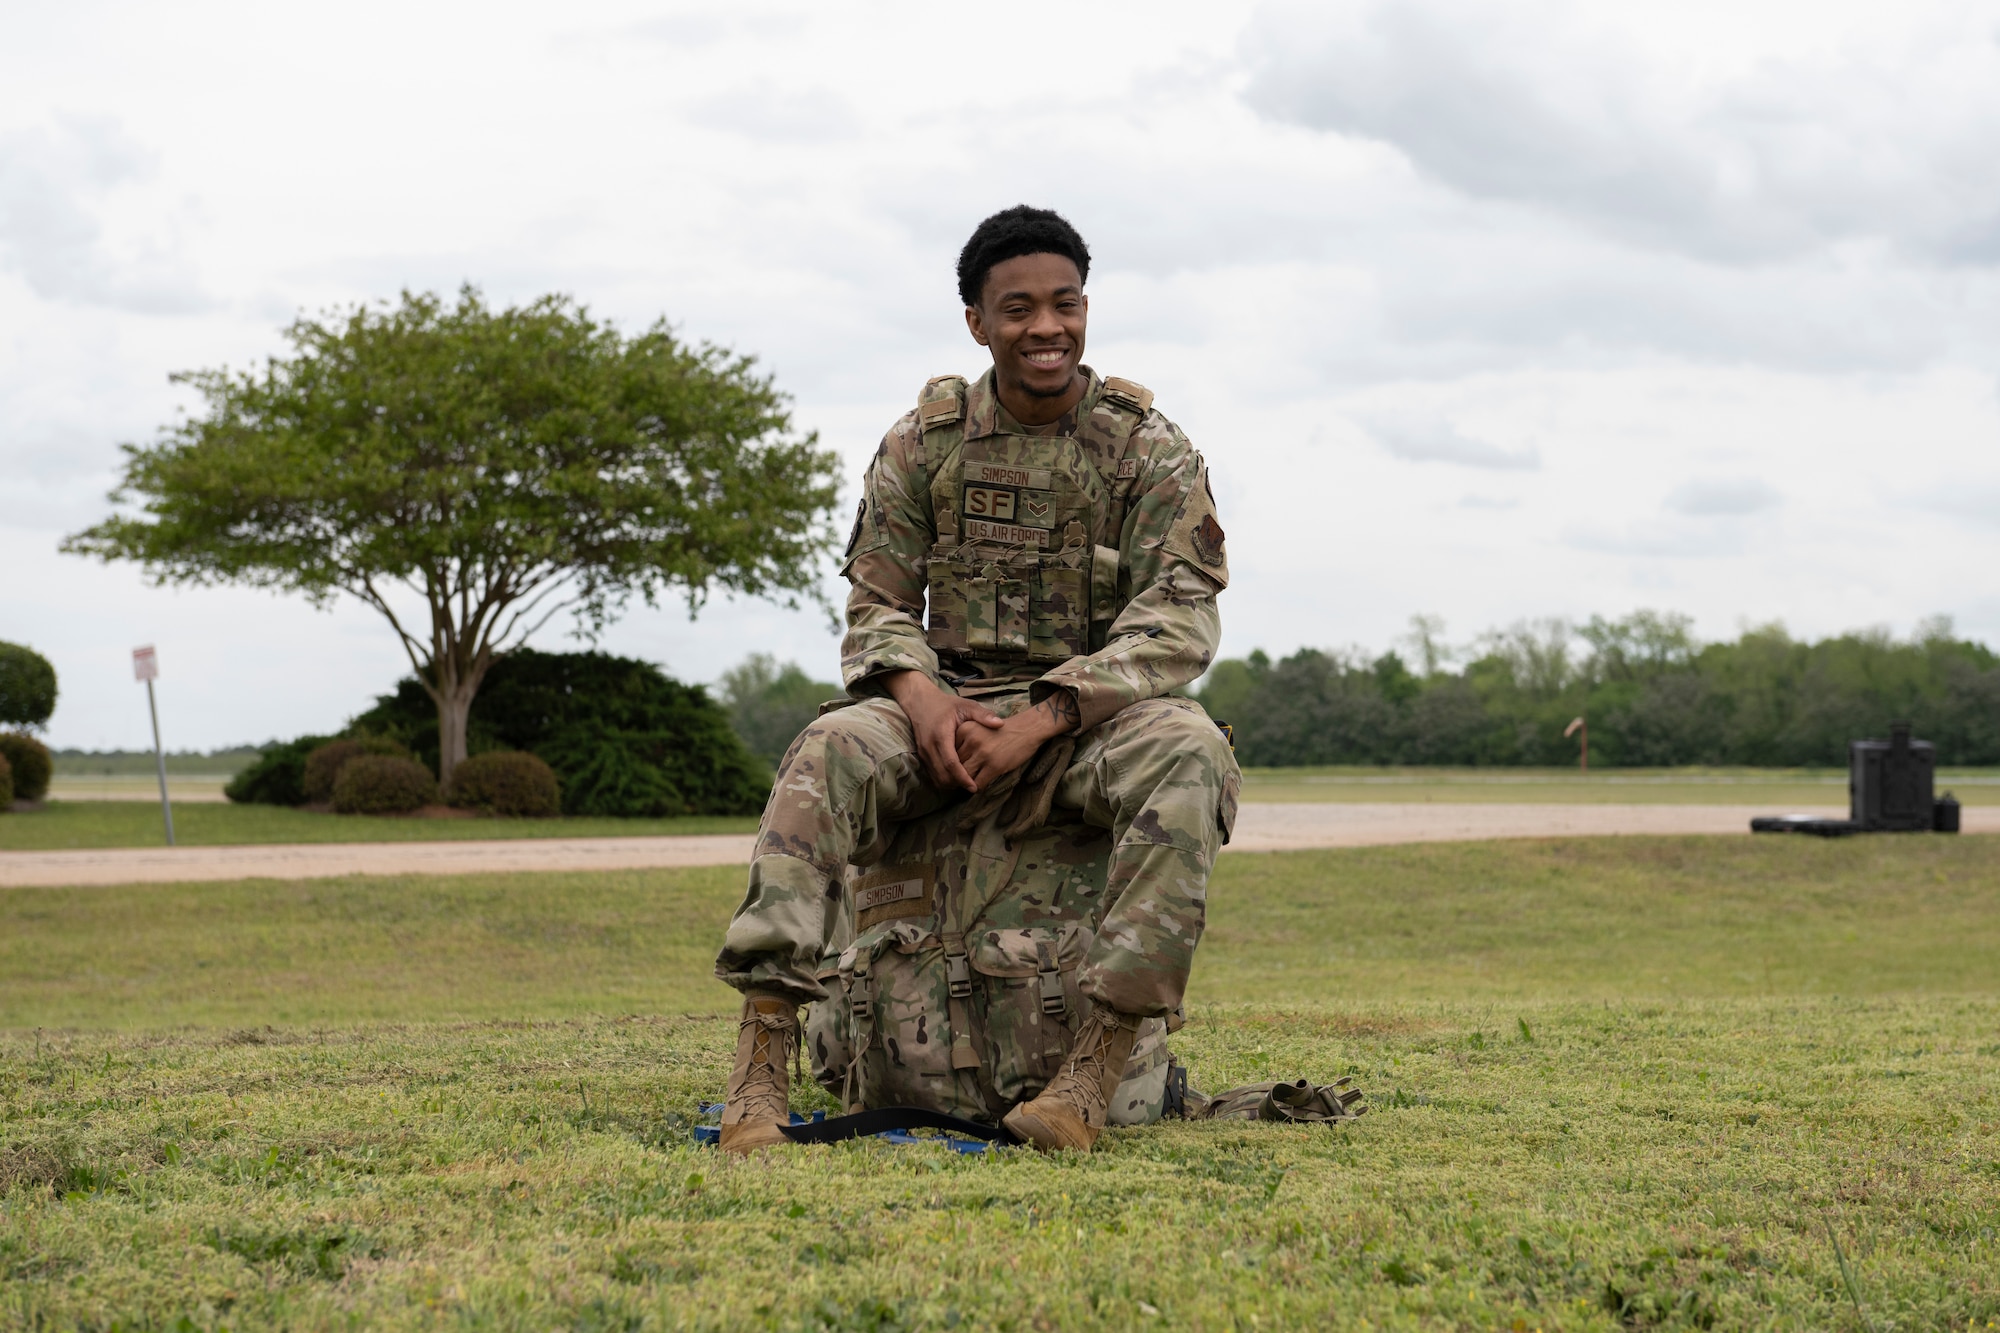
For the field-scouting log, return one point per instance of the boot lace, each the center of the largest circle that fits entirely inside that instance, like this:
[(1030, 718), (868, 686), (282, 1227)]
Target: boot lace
[(1087, 1065), (763, 1089)]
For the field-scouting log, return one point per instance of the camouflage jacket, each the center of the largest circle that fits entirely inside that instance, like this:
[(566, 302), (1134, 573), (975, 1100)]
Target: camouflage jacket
[(1157, 627)]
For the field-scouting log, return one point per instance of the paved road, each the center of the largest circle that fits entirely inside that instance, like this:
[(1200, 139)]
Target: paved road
[(1261, 828)]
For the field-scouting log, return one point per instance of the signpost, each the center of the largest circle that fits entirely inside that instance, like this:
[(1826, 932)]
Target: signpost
[(1583, 757), (146, 667)]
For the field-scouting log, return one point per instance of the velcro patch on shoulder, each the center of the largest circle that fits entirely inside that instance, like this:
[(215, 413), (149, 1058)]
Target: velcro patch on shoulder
[(1135, 396), (941, 402), (1197, 536)]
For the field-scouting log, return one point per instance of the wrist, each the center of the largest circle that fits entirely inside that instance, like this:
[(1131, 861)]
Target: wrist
[(902, 685), (1046, 720)]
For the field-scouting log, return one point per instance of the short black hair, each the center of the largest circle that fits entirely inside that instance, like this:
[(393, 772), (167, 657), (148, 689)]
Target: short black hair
[(1011, 233)]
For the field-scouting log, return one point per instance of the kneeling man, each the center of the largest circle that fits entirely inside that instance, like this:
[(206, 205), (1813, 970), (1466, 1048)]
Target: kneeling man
[(1063, 537)]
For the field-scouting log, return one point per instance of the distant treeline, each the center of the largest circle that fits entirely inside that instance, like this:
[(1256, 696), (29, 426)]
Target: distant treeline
[(225, 762), (1652, 694)]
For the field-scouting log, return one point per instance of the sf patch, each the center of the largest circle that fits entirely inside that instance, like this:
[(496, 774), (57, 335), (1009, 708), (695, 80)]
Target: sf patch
[(1208, 541)]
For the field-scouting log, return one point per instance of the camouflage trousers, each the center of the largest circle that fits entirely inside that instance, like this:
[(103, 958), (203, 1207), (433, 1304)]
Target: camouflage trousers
[(1158, 776)]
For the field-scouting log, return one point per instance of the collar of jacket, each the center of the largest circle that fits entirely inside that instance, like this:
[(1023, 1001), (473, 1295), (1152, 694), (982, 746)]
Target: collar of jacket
[(982, 405)]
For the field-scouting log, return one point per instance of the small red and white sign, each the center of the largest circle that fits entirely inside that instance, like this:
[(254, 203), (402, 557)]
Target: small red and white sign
[(145, 663)]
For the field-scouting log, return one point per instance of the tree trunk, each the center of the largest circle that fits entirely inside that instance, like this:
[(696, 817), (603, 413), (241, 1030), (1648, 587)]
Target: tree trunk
[(454, 713)]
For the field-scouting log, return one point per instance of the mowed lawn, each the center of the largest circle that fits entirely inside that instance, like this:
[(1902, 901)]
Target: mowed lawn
[(1777, 790), (63, 824), (1619, 1083), (82, 824)]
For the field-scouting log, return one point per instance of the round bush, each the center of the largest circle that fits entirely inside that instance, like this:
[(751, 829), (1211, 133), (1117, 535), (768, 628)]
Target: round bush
[(27, 686), (6, 784), (278, 777), (323, 765), (382, 784), (29, 759), (512, 783)]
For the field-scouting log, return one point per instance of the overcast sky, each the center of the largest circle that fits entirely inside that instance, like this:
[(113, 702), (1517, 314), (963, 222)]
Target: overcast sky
[(1484, 311)]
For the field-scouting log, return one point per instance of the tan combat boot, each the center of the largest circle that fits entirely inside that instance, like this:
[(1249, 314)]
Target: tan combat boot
[(1070, 1112), (758, 1098)]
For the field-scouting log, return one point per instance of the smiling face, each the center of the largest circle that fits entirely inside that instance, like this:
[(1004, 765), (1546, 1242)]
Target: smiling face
[(1031, 316)]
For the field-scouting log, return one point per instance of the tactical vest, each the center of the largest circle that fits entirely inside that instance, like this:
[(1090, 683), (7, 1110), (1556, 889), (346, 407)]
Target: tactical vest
[(1025, 567)]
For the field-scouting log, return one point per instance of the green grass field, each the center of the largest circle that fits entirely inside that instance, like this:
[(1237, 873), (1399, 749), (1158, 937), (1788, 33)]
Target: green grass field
[(89, 824), (1777, 789), (74, 823), (1631, 1083)]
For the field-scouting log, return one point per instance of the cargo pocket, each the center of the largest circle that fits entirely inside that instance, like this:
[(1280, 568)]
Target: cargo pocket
[(1031, 1006), (894, 976), (1141, 1096), (830, 1030)]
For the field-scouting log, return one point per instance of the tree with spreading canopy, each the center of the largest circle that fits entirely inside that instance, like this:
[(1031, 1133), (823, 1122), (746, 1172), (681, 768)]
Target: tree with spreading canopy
[(502, 465)]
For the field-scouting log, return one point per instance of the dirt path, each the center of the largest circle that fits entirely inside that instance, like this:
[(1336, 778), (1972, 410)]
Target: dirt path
[(1261, 828)]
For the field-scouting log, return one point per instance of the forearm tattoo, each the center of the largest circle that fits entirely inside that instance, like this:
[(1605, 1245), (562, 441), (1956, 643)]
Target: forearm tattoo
[(1062, 710)]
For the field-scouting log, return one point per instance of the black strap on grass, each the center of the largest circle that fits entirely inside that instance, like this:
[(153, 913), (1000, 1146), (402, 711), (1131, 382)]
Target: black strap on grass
[(883, 1119)]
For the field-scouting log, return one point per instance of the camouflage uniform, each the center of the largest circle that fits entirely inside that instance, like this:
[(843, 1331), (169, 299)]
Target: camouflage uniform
[(1084, 557)]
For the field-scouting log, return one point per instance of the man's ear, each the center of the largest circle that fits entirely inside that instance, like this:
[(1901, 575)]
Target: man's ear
[(973, 323)]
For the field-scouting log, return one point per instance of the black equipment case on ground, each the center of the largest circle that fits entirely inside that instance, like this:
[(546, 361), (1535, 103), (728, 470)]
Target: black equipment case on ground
[(1891, 788), (1890, 783)]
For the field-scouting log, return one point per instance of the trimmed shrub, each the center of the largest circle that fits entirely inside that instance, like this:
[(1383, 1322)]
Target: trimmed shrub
[(511, 783), (30, 762), (27, 686), (382, 784), (6, 784), (323, 765), (623, 739), (279, 777)]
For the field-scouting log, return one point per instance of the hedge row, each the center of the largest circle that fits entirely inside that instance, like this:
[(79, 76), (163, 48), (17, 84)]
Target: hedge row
[(569, 733)]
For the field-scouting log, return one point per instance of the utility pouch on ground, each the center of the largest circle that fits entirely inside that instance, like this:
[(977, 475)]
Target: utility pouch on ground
[(1297, 1102)]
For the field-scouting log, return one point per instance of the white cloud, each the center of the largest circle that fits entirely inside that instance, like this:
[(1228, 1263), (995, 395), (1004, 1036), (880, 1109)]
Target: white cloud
[(1465, 314), (1590, 114), (55, 180), (1732, 497), (1437, 441)]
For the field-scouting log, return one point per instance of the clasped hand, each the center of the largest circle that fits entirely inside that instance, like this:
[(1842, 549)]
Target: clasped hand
[(963, 743)]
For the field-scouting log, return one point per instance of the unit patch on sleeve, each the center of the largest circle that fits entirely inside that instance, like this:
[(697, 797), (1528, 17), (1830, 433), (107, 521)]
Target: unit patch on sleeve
[(860, 514), (1196, 535), (1208, 540)]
